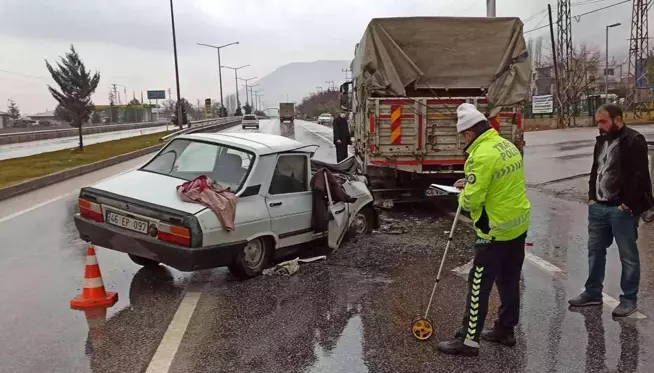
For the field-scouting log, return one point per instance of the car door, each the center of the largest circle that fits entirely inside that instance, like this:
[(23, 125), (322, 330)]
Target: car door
[(339, 218), (289, 199)]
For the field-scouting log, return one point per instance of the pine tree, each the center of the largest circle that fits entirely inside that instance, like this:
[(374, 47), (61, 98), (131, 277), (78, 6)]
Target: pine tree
[(76, 85)]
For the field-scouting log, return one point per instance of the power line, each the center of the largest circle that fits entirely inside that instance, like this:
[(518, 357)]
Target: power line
[(21, 74), (587, 2), (578, 16)]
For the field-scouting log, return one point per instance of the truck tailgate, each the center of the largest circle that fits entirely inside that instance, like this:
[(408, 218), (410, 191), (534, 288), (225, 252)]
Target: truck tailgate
[(419, 134)]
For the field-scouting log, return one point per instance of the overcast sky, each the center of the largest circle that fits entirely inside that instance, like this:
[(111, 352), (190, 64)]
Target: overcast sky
[(130, 41)]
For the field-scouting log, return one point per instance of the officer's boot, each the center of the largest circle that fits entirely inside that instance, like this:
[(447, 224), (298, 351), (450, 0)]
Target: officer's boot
[(500, 335), (458, 347)]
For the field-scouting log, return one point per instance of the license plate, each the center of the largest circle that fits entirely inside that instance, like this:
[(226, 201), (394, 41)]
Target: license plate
[(127, 223)]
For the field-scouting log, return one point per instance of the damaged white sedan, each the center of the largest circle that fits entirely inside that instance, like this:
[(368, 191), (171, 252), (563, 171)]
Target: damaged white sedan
[(281, 204)]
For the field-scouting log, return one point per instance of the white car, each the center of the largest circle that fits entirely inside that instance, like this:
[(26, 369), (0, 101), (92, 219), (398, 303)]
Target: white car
[(250, 120), (140, 213), (325, 118)]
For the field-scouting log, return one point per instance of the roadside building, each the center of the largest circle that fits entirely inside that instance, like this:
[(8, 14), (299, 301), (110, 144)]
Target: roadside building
[(47, 118), (4, 119)]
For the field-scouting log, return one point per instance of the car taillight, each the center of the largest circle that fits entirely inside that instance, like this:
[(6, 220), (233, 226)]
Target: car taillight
[(90, 210), (174, 234)]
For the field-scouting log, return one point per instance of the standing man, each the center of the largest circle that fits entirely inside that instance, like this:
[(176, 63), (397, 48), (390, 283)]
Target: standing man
[(619, 191), (342, 136), (495, 194)]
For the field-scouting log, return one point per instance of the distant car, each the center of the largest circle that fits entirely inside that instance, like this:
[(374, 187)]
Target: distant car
[(325, 118), (140, 213), (249, 120)]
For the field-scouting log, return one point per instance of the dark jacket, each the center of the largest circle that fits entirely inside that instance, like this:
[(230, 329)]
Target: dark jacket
[(635, 183), (341, 131)]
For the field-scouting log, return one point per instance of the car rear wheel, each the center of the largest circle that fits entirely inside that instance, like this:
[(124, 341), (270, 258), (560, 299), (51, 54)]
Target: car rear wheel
[(145, 262), (251, 260)]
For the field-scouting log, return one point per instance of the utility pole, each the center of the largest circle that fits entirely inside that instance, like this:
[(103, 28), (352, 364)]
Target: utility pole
[(490, 8), (116, 97), (606, 70), (566, 59), (180, 120), (638, 53), (220, 75), (556, 66), (346, 71)]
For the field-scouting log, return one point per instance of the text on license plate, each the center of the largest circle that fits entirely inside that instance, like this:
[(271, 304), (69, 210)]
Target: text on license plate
[(127, 223)]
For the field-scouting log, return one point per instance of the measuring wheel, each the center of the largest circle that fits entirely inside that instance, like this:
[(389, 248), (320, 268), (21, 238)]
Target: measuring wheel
[(422, 328)]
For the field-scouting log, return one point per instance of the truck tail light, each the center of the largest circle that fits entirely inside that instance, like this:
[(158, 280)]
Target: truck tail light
[(90, 210), (174, 234)]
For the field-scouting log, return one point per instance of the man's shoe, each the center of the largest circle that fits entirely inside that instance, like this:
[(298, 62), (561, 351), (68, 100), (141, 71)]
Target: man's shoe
[(584, 300), (456, 347), (624, 309), (496, 335)]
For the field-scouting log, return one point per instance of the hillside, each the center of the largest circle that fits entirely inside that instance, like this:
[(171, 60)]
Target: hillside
[(297, 80)]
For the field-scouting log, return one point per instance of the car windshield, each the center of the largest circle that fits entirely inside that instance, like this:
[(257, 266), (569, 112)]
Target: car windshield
[(249, 116), (187, 159)]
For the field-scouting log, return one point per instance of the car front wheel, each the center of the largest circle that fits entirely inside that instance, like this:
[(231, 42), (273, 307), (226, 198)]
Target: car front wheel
[(251, 260), (145, 262), (363, 222)]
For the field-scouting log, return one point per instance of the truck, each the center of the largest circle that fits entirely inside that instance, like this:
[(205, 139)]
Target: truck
[(409, 75), (286, 112)]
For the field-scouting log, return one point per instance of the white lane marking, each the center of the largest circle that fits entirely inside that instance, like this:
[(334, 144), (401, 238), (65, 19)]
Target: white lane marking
[(39, 205), (329, 141), (171, 340), (32, 208), (542, 263)]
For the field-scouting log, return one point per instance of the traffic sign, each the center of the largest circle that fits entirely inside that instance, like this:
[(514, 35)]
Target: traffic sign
[(156, 95)]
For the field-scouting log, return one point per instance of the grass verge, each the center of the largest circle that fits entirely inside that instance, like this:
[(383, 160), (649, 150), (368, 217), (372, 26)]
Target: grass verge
[(17, 170)]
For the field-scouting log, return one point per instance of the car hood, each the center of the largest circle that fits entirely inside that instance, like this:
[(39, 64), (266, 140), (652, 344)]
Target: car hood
[(151, 188)]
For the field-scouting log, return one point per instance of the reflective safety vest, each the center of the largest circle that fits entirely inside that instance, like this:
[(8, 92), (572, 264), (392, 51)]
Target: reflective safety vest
[(495, 192)]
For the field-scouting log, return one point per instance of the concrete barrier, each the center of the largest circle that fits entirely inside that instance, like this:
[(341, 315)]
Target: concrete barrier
[(40, 182), (17, 137)]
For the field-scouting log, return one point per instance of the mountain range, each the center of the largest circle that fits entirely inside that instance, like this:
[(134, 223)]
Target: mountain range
[(294, 81)]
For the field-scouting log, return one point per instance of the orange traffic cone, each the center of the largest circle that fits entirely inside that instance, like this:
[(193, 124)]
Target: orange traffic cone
[(93, 294)]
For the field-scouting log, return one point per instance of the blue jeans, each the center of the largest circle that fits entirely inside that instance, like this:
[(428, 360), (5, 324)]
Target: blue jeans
[(604, 224)]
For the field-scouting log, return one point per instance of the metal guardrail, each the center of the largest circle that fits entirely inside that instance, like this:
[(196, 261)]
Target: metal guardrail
[(201, 125), (120, 125)]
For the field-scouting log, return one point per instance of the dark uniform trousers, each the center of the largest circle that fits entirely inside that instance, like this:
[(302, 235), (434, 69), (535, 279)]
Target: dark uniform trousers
[(497, 262), (341, 152)]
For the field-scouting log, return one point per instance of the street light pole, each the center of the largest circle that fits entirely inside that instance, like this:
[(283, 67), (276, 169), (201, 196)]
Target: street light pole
[(247, 97), (220, 74), (236, 69), (255, 97), (606, 69), (251, 94), (180, 120), (490, 8)]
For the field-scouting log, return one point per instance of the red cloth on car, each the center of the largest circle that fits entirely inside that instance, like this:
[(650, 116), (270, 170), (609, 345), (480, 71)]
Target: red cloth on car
[(222, 201)]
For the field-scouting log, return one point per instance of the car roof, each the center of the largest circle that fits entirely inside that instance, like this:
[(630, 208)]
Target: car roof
[(258, 143), (325, 114)]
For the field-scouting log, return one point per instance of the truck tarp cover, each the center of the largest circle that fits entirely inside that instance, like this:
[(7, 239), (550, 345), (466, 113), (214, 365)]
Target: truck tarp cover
[(445, 52)]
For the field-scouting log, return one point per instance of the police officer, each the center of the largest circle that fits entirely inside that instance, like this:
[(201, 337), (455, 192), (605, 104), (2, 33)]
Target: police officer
[(495, 194)]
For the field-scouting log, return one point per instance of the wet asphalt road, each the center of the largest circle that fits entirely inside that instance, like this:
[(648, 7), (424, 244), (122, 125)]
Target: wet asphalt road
[(42, 146), (350, 313)]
